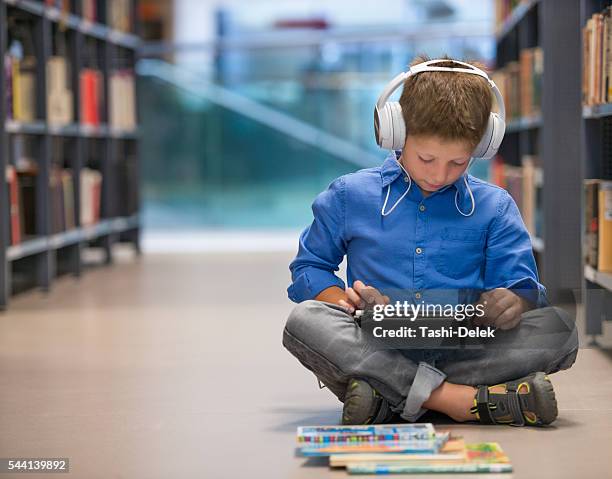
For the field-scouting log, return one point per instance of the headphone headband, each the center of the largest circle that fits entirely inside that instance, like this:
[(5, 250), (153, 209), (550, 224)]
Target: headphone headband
[(426, 67)]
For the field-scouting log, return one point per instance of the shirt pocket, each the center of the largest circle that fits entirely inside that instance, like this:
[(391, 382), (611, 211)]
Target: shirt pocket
[(461, 252)]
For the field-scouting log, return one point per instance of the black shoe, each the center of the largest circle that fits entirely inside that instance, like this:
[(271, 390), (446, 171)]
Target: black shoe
[(364, 405)]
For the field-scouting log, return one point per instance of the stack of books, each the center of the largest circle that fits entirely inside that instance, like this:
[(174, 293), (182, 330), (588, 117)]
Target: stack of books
[(520, 83), (399, 449), (525, 185)]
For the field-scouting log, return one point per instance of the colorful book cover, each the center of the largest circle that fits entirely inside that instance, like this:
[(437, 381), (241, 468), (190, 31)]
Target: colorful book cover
[(480, 458), (414, 446), (452, 452), (379, 432)]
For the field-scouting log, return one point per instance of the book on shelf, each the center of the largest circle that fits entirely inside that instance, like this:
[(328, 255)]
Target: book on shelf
[(503, 10), (91, 96), (56, 204), (520, 83), (524, 183), (604, 257), (122, 105), (20, 77), (591, 222), (91, 190), (8, 85), (63, 5), (597, 234), (59, 96), (89, 10), (120, 15), (597, 58), (27, 176), (13, 204), (68, 199)]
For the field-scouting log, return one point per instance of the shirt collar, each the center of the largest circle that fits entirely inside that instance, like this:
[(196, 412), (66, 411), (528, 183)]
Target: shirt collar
[(391, 171)]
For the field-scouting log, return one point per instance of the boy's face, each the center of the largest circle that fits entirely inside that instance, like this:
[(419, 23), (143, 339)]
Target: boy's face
[(434, 162)]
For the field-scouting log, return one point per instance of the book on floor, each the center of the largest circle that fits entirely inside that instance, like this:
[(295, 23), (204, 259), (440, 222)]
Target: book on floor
[(479, 458), (452, 452), (383, 438)]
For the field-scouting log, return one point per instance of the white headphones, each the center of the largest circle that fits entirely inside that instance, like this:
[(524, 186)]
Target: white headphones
[(389, 126)]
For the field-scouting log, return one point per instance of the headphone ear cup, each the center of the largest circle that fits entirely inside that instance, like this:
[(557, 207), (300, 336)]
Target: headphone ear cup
[(399, 127), (382, 127), (389, 128), (491, 139)]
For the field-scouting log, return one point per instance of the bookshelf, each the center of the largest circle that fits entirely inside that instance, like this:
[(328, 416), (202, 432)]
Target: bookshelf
[(596, 155), (535, 33), (80, 142)]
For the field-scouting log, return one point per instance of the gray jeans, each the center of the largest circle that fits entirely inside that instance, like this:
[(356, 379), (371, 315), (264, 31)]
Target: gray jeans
[(327, 341)]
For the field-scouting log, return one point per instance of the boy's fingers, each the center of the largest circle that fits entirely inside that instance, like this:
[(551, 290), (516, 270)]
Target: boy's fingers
[(348, 307), (510, 323), (509, 318), (497, 304), (354, 297), (369, 294)]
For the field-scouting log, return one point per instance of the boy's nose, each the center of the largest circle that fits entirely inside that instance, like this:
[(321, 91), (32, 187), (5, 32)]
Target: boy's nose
[(438, 179)]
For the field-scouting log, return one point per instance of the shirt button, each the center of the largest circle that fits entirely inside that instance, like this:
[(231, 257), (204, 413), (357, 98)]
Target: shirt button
[(406, 179), (422, 208), (418, 295), (419, 251)]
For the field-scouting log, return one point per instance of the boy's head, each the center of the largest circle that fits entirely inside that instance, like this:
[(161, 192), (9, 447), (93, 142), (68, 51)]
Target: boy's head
[(446, 115)]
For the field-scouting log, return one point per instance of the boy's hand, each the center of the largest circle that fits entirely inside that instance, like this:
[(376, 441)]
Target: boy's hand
[(361, 296), (502, 307)]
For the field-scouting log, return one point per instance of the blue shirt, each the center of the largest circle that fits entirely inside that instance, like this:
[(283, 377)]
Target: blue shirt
[(424, 245)]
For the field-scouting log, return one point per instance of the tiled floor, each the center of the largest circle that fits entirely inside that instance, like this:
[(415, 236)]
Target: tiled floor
[(171, 366)]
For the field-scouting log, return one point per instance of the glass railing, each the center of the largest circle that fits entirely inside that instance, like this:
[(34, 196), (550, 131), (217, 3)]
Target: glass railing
[(249, 141)]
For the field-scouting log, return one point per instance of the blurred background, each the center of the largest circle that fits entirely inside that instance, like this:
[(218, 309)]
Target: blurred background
[(248, 112)]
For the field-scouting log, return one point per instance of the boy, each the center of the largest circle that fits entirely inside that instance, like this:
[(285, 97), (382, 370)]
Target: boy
[(420, 224)]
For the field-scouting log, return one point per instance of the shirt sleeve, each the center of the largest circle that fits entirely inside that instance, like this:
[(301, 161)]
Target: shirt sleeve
[(509, 255), (321, 246)]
